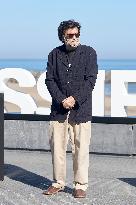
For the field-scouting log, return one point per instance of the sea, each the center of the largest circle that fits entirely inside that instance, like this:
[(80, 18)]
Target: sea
[(103, 64)]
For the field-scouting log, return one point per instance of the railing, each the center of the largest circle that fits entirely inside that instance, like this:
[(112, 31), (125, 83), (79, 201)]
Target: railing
[(1, 136), (95, 119)]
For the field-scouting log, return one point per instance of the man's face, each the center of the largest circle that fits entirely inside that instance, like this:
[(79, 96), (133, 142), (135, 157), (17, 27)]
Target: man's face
[(71, 37)]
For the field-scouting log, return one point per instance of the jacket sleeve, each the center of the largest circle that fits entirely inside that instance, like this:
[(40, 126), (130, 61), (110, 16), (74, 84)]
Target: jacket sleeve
[(50, 82), (90, 78)]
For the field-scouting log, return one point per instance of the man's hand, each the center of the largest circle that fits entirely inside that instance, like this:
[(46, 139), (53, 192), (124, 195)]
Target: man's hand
[(65, 104), (69, 102)]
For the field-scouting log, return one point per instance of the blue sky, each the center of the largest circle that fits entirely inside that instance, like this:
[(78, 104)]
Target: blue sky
[(28, 28)]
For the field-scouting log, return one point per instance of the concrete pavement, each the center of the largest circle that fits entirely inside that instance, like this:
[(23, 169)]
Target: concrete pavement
[(112, 180)]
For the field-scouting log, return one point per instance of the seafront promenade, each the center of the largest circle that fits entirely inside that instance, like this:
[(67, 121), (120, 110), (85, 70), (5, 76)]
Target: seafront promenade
[(112, 180)]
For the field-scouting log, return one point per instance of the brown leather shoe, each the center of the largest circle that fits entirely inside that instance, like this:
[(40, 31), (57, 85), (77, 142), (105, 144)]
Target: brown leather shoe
[(79, 193), (52, 190)]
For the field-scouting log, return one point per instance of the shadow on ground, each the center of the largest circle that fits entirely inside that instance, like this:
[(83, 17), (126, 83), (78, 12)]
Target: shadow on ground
[(22, 175), (130, 181)]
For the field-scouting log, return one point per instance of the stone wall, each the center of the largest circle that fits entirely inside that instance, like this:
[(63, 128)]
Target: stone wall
[(105, 138)]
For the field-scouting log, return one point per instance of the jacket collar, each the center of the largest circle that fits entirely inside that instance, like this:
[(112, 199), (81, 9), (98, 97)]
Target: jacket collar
[(63, 56)]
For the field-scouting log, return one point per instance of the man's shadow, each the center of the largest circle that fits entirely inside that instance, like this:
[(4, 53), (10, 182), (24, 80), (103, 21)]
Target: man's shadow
[(22, 175), (130, 181)]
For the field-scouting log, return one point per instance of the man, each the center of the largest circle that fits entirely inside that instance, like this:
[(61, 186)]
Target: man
[(71, 75)]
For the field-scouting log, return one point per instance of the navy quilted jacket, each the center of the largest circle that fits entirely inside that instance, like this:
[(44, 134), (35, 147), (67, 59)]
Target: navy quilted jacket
[(77, 80)]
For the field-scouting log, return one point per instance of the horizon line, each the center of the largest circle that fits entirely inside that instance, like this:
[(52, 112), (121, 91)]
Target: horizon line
[(46, 58)]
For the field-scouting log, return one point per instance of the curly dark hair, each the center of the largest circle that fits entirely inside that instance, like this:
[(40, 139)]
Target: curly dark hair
[(64, 25)]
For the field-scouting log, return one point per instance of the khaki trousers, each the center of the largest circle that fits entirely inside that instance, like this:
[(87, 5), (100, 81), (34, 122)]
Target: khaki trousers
[(79, 136)]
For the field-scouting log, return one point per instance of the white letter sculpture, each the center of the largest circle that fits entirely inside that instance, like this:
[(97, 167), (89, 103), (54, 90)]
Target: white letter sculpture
[(44, 93), (25, 79), (119, 92), (98, 95)]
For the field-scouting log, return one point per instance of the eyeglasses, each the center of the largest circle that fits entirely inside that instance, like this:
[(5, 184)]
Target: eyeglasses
[(71, 35)]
